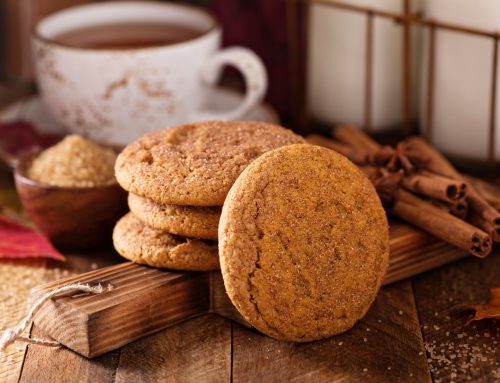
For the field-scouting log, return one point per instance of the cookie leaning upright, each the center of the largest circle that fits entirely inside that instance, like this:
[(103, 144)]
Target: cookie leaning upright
[(196, 164), (303, 243)]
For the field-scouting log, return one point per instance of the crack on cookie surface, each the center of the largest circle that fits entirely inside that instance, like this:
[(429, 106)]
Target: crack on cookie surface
[(252, 287), (196, 164)]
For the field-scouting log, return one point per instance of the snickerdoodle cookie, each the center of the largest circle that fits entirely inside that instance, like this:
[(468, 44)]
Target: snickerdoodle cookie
[(303, 243), (189, 221), (142, 244), (196, 164)]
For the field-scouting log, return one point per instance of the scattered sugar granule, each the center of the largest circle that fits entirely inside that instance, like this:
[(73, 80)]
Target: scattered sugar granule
[(74, 162)]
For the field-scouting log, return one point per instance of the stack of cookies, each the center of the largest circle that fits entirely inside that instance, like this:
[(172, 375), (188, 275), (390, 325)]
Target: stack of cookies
[(303, 237), (177, 181)]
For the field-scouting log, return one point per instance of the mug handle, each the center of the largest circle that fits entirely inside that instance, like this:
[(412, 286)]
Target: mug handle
[(254, 73)]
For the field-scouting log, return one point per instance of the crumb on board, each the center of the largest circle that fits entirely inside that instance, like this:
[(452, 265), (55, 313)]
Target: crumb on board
[(464, 355)]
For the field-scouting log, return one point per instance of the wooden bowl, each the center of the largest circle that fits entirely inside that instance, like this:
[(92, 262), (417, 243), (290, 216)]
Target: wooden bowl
[(72, 218)]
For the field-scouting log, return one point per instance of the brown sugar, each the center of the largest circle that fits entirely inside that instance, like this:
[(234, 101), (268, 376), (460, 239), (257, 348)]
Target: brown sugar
[(74, 162)]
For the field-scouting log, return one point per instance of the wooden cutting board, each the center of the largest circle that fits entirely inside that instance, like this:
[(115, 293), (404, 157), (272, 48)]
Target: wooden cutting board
[(145, 300)]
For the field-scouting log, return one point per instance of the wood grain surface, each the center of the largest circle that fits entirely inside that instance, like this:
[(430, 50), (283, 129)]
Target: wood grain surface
[(382, 347), (49, 364), (17, 279), (455, 352), (411, 334), (144, 300), (399, 340), (195, 351)]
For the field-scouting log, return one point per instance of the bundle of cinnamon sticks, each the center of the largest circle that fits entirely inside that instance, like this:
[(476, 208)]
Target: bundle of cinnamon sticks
[(419, 185)]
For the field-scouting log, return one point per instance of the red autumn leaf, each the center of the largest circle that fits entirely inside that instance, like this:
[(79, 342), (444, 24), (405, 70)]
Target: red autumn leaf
[(18, 241), (489, 310), (21, 137)]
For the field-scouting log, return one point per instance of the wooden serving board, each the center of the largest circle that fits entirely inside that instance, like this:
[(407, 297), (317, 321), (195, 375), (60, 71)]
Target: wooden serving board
[(145, 300)]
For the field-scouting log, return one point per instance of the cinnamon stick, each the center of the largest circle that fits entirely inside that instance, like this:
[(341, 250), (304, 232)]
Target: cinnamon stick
[(439, 204), (359, 157), (486, 216), (436, 162), (490, 192), (488, 226), (441, 224), (350, 135), (435, 220), (426, 183), (435, 186), (458, 208)]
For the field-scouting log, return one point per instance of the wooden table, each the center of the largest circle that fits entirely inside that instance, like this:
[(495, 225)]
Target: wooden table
[(409, 335)]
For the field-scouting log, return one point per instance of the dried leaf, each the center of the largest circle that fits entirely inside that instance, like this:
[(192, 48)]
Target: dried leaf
[(19, 137), (18, 241), (489, 310)]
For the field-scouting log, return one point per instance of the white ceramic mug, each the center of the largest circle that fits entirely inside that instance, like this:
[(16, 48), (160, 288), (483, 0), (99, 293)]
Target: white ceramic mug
[(114, 96)]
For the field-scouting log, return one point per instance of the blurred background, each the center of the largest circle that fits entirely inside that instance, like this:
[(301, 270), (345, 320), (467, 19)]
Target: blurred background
[(257, 24), (391, 67)]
